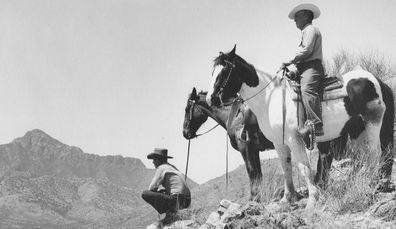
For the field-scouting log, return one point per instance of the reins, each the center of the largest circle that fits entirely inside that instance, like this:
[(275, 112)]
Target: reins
[(247, 99), (226, 162), (197, 135), (193, 105), (188, 157)]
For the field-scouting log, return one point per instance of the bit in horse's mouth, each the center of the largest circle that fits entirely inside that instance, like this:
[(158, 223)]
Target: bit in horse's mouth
[(190, 135)]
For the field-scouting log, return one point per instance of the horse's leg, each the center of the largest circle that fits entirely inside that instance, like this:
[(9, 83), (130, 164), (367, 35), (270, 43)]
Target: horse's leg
[(387, 133), (373, 121), (324, 163), (252, 162), (300, 155), (255, 175), (285, 160)]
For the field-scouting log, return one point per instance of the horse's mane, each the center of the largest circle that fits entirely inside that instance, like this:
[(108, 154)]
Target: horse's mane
[(220, 60), (264, 73), (202, 96)]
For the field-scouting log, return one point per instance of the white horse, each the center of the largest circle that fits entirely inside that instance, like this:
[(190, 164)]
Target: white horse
[(361, 105)]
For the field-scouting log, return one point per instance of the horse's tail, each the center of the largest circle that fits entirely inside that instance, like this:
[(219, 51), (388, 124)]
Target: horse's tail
[(387, 132)]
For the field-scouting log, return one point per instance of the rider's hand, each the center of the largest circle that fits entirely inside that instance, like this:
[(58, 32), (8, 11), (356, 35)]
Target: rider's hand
[(279, 74), (285, 64)]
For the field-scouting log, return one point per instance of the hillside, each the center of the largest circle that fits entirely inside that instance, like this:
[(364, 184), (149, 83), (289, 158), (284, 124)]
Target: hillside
[(350, 202), (47, 184), (40, 154)]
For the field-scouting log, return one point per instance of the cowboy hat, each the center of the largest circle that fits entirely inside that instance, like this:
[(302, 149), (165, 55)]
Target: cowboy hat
[(159, 153), (305, 6)]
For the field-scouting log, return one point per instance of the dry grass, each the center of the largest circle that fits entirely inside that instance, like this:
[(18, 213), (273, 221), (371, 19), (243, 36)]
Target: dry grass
[(271, 184), (352, 185)]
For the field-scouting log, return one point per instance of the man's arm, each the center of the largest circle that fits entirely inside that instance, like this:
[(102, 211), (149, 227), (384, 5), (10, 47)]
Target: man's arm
[(156, 181)]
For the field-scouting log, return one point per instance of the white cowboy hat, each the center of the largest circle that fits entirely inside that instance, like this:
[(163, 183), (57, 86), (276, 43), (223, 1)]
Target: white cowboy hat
[(305, 6)]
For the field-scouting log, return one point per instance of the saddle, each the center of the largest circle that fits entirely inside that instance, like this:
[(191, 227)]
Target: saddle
[(243, 123), (332, 88)]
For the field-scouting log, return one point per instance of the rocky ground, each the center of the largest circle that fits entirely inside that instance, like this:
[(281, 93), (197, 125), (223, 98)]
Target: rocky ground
[(380, 213), (255, 215)]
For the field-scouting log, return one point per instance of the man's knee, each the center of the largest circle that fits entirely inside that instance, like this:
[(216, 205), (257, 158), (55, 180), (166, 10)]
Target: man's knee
[(309, 90)]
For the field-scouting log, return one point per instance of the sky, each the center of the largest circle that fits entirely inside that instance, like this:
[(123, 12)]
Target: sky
[(112, 77)]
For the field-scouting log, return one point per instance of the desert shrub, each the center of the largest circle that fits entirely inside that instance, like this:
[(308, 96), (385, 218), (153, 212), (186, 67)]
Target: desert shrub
[(352, 184), (375, 63)]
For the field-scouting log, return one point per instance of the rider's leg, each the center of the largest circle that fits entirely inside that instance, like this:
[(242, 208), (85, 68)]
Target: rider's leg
[(311, 83)]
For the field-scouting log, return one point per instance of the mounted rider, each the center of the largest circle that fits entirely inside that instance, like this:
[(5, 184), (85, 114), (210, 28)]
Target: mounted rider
[(308, 61)]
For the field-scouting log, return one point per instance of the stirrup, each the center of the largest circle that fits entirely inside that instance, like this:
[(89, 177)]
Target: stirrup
[(244, 135), (310, 138)]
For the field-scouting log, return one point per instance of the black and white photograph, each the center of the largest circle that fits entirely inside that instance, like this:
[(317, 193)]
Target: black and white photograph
[(183, 114)]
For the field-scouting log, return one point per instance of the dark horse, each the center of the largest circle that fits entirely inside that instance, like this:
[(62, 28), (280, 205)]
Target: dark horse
[(235, 119)]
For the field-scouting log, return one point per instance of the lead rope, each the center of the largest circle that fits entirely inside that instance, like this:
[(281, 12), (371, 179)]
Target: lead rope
[(226, 162), (197, 135), (283, 105), (188, 156)]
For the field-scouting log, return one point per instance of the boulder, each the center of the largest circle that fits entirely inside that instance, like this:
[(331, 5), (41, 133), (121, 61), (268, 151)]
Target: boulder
[(385, 208), (183, 224), (226, 212)]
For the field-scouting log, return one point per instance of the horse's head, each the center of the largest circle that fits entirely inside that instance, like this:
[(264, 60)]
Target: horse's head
[(194, 116), (229, 73)]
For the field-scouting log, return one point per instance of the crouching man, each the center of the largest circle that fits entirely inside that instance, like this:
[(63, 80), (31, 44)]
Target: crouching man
[(168, 192)]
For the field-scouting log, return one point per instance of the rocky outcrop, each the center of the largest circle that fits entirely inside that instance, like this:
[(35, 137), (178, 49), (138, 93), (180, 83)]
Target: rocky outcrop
[(232, 215), (385, 208)]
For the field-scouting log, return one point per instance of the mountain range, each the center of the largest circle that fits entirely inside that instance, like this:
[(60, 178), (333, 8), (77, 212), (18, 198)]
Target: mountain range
[(47, 184)]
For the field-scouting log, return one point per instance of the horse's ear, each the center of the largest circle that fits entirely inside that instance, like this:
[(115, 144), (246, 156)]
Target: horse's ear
[(194, 92), (233, 51)]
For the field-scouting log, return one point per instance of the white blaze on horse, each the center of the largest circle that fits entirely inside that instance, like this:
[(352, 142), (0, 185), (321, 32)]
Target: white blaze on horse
[(358, 110)]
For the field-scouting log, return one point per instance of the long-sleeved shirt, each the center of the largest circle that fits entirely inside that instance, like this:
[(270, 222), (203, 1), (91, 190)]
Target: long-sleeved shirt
[(310, 47), (171, 179)]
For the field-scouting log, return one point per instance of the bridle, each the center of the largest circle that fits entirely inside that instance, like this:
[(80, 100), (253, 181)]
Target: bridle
[(193, 105), (224, 83)]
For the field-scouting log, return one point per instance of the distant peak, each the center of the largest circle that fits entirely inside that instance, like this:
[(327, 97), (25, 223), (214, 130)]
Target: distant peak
[(36, 132), (37, 135)]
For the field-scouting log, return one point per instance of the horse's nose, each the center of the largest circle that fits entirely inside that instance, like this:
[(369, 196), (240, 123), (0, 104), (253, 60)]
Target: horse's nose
[(187, 134)]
